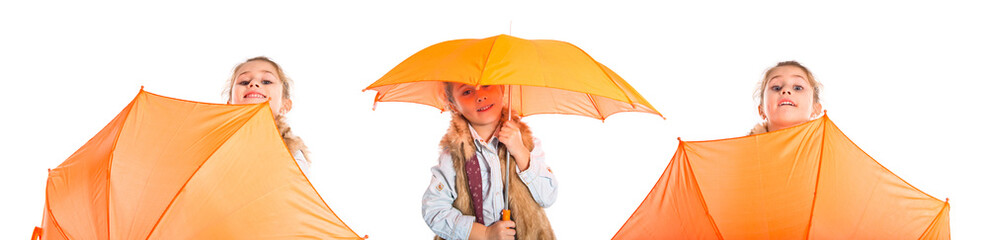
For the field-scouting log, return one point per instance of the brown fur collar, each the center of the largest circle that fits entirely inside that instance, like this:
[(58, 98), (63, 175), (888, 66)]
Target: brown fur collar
[(759, 128), (530, 219)]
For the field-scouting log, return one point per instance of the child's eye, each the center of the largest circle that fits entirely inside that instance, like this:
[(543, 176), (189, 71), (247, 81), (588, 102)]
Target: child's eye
[(266, 82), (243, 82), (797, 87), (776, 88), (467, 92), (485, 86)]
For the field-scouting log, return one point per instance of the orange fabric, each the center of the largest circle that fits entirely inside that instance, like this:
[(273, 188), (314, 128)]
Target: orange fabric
[(804, 182), (546, 76), (171, 169)]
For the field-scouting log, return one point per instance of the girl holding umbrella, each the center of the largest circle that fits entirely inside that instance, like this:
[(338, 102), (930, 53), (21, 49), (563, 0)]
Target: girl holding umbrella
[(464, 197), (483, 82)]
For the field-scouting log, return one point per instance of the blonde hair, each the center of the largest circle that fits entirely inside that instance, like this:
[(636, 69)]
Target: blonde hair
[(450, 101), (809, 78), (293, 142)]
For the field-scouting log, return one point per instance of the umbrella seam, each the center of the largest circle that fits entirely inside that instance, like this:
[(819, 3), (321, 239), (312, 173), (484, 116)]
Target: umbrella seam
[(109, 161), (679, 170), (816, 187), (521, 107), (240, 209), (179, 192), (487, 60), (182, 125)]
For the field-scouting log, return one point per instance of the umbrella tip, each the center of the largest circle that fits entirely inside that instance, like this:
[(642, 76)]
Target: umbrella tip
[(679, 139), (365, 236)]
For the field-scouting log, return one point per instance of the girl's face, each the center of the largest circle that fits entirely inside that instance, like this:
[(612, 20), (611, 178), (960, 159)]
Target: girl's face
[(788, 98), (481, 106), (256, 82)]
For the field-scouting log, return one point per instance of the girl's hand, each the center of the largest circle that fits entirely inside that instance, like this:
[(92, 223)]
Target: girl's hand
[(511, 137), (501, 230)]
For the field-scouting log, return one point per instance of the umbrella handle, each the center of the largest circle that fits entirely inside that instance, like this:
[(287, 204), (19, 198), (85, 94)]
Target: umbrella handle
[(37, 233), (506, 215)]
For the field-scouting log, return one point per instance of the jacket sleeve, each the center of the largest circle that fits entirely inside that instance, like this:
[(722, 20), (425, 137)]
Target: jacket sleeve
[(539, 179), (437, 203)]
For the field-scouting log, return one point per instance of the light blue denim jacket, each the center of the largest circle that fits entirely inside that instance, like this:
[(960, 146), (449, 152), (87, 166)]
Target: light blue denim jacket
[(437, 202)]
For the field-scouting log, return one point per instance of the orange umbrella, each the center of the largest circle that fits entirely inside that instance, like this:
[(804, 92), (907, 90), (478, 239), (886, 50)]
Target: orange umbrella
[(805, 182), (546, 76), (171, 169), (542, 76)]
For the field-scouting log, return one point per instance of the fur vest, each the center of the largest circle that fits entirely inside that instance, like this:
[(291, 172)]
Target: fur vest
[(759, 128), (530, 219)]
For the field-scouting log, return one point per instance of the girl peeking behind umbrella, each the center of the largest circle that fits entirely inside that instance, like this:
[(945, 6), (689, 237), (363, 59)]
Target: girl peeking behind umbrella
[(258, 80), (465, 197), (788, 95)]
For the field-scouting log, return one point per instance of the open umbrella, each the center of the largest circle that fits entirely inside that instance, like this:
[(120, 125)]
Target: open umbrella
[(542, 76), (804, 182), (171, 169)]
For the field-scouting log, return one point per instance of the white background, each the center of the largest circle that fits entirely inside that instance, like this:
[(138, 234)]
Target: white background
[(904, 81)]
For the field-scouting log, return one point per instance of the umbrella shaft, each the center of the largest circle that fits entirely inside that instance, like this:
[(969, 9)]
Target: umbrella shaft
[(507, 179)]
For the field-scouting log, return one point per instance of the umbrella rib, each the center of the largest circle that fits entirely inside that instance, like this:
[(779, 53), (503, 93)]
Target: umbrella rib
[(595, 106), (626, 96), (663, 195), (321, 199), (55, 221), (937, 217), (816, 187), (873, 159), (828, 122), (604, 71), (167, 208), (601, 67)]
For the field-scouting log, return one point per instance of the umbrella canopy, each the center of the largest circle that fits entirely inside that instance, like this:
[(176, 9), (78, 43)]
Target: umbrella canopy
[(804, 182), (546, 76), (171, 169)]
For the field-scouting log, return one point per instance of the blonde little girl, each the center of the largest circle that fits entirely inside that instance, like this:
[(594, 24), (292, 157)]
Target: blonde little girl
[(258, 80), (787, 96), (465, 197)]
